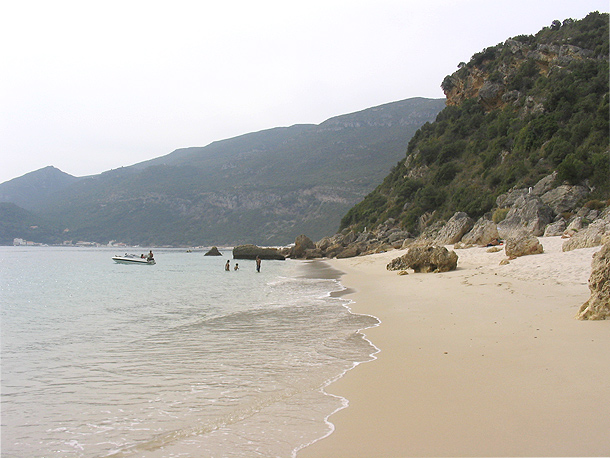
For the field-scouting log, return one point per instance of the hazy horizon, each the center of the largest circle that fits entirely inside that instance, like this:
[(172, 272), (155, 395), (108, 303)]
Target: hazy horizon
[(93, 87)]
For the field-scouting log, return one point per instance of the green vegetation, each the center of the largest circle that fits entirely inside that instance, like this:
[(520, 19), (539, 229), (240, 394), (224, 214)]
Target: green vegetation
[(15, 222), (550, 113), (264, 187)]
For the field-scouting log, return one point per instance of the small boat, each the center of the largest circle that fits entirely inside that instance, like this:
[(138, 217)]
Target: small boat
[(133, 259)]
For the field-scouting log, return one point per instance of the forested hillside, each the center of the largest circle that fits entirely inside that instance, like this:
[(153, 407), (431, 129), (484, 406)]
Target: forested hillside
[(263, 187), (515, 113)]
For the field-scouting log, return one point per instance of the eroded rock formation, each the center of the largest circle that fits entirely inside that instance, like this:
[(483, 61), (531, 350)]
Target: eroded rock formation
[(426, 259), (598, 305), (523, 245)]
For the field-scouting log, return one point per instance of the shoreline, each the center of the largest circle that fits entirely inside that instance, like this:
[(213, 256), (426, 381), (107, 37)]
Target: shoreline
[(322, 270), (486, 360)]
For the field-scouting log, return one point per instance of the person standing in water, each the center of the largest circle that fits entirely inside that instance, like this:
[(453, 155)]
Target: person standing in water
[(228, 266), (258, 264)]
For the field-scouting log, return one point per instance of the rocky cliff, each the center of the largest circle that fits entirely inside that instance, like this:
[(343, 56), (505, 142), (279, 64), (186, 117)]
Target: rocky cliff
[(491, 84), (532, 108)]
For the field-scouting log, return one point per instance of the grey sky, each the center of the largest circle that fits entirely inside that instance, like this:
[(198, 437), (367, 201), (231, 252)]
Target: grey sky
[(88, 86)]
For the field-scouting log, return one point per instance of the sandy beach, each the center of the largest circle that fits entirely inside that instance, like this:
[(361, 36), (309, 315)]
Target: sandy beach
[(487, 360)]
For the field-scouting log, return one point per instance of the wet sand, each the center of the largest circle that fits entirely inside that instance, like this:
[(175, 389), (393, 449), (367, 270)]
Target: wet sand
[(487, 360)]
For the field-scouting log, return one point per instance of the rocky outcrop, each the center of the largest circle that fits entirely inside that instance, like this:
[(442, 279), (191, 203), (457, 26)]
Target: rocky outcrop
[(529, 214), (555, 229), (544, 185), (564, 198), (452, 232), (522, 245), (426, 259), (348, 244), (598, 305), (590, 236), (527, 217), (213, 252), (303, 248), (473, 80), (509, 199), (252, 251), (483, 233), (349, 251)]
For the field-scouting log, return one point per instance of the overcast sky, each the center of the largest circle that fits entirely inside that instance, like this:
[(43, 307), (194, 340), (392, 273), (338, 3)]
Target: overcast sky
[(88, 86)]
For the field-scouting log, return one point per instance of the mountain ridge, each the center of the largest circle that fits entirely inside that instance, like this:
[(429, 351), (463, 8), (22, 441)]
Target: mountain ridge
[(262, 187)]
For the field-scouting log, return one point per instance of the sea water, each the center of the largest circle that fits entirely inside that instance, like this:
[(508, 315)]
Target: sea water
[(178, 359)]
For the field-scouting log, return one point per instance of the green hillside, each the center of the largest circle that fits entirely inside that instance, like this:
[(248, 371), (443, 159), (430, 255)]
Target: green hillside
[(265, 187), (15, 222), (516, 112)]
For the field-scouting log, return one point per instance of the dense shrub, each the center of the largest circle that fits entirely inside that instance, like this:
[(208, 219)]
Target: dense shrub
[(467, 157)]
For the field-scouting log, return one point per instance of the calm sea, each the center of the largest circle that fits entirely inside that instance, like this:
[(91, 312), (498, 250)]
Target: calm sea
[(179, 359)]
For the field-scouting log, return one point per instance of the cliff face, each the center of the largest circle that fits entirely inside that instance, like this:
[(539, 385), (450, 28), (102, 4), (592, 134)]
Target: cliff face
[(528, 108), (491, 84)]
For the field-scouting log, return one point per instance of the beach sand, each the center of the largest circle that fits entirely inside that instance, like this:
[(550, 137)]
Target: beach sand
[(487, 360)]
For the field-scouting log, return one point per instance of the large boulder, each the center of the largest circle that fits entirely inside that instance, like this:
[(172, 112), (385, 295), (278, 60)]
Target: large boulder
[(544, 185), (483, 233), (522, 245), (349, 238), (598, 305), (564, 198), (301, 245), (213, 252), (574, 226), (426, 259), (252, 251), (508, 199), (490, 94), (590, 236), (313, 253), (327, 242), (452, 232), (350, 251), (528, 214), (555, 229), (398, 236)]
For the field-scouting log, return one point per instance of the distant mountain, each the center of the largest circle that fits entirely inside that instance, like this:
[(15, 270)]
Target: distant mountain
[(265, 187), (517, 112), (15, 222), (29, 189)]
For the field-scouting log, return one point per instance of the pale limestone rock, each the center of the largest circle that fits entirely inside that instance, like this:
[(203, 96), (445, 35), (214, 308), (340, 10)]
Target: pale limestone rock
[(591, 236), (301, 245), (426, 259), (483, 233), (564, 198), (508, 199), (598, 305), (575, 225), (544, 185), (528, 214), (452, 232), (555, 229), (523, 245)]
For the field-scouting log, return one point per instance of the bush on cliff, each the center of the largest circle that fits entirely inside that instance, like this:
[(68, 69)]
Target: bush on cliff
[(542, 107)]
